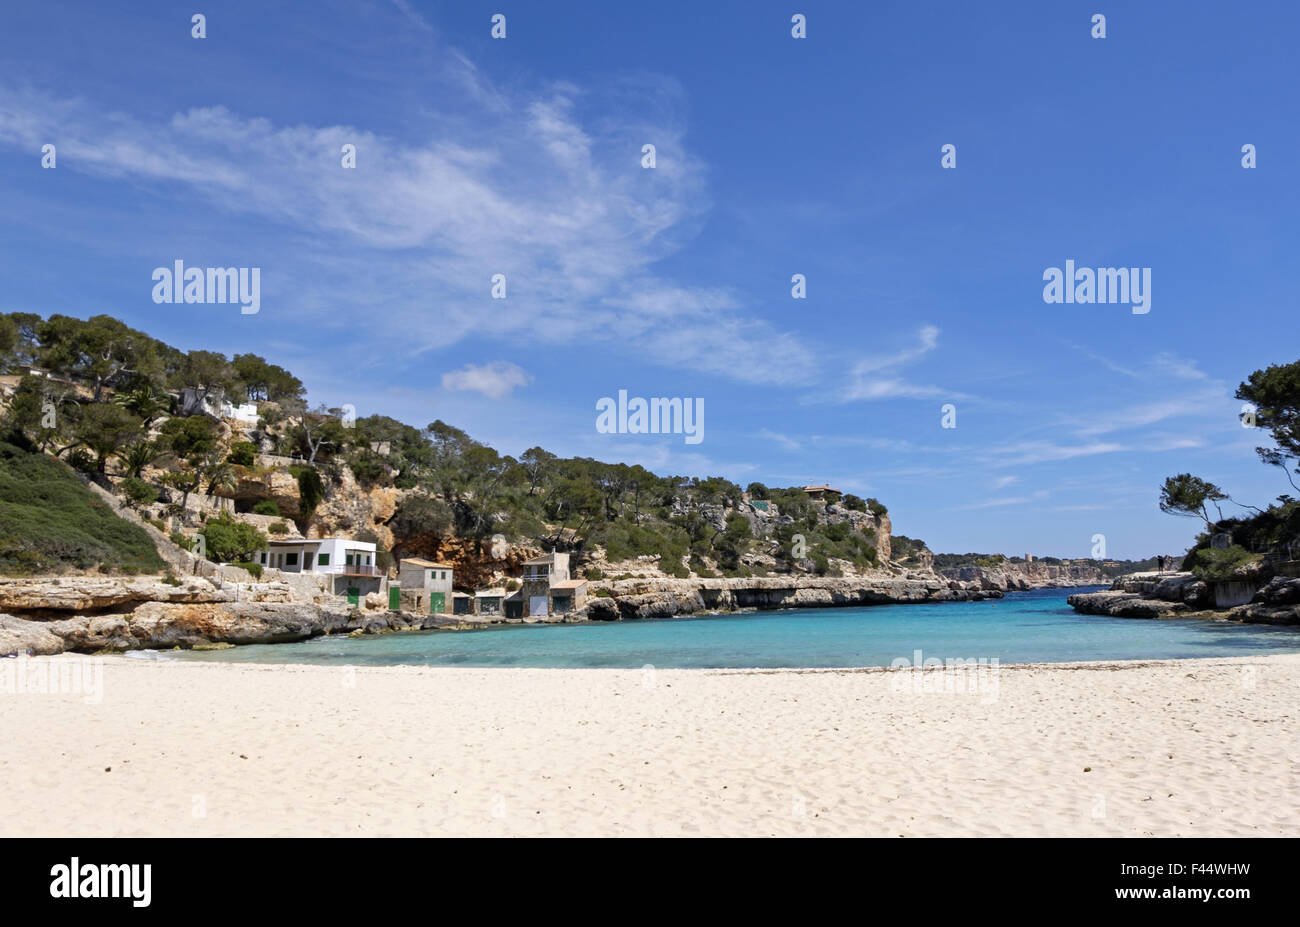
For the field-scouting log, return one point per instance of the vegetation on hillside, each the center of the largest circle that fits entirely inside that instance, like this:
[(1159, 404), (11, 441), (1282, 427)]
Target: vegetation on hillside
[(118, 404), (1228, 545), (49, 521)]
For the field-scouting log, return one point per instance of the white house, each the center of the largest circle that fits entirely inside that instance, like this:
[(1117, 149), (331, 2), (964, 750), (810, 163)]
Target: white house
[(245, 412), (339, 556), (351, 565), (215, 404)]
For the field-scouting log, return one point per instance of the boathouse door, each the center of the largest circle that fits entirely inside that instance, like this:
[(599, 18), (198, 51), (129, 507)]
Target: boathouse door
[(437, 603), (537, 606)]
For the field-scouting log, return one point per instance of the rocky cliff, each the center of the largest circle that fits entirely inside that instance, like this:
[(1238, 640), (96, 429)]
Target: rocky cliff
[(1035, 575)]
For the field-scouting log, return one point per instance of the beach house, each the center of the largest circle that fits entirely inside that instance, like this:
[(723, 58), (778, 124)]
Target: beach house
[(351, 566), (568, 595), (426, 586), (541, 574), (490, 602)]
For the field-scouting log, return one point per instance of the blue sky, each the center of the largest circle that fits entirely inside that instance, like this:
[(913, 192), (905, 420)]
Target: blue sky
[(775, 156)]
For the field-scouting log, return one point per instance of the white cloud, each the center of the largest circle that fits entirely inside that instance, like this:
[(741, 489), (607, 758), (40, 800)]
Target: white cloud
[(529, 187), (876, 377), (495, 380)]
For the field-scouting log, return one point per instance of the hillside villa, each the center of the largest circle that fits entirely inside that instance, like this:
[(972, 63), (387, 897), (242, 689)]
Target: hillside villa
[(823, 493)]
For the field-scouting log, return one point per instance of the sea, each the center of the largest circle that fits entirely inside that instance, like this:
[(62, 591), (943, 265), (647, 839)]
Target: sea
[(1023, 627)]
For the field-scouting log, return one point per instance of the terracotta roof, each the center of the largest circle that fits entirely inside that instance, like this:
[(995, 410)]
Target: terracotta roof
[(821, 489), (416, 561), (570, 584)]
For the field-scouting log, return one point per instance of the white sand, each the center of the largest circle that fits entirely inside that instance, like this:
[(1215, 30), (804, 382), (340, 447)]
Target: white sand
[(1193, 747)]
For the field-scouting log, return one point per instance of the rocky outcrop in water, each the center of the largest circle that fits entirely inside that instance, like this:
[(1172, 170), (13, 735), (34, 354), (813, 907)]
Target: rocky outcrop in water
[(663, 598), (1183, 595)]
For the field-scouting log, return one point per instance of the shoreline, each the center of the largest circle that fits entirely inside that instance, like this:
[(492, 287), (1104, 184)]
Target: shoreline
[(302, 749)]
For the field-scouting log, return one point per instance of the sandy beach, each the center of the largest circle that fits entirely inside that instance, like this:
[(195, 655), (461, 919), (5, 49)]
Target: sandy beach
[(1175, 748)]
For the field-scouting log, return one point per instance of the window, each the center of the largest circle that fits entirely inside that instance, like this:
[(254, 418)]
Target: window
[(291, 559), (264, 556), (323, 560)]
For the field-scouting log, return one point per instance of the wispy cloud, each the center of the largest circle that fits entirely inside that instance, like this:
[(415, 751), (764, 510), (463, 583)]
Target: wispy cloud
[(877, 377), (495, 380), (527, 189)]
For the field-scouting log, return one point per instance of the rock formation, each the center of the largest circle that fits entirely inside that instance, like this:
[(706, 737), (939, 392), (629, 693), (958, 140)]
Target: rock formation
[(1183, 595), (1010, 576)]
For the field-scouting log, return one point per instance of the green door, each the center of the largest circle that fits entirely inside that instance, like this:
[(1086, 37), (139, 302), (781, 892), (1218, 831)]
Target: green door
[(437, 603), (354, 595), (394, 598)]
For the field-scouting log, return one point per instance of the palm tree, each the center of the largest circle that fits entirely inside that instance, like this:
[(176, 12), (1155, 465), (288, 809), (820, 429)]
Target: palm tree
[(138, 455), (220, 474), (145, 401)]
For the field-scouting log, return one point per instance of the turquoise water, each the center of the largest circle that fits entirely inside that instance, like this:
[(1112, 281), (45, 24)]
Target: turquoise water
[(1024, 627)]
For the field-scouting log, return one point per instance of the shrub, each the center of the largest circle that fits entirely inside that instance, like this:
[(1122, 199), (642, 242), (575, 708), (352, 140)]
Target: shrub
[(603, 593), (266, 507), (81, 460), (243, 453), (254, 568), (278, 527), (593, 574), (138, 492), (1209, 563), (231, 541)]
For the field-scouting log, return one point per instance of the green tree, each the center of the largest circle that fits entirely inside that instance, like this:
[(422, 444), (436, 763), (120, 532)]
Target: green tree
[(228, 540), (190, 437), (103, 428), (101, 351), (1191, 496), (207, 373), (260, 380), (1275, 393)]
